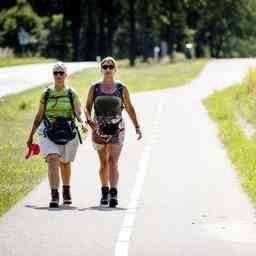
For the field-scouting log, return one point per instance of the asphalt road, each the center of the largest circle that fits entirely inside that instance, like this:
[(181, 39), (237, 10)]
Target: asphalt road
[(19, 78), (179, 194)]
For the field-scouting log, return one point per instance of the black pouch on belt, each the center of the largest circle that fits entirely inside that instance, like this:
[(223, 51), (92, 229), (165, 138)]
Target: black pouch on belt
[(61, 131)]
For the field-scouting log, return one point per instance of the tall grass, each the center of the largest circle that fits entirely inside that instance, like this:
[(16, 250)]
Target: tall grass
[(224, 107), (250, 81)]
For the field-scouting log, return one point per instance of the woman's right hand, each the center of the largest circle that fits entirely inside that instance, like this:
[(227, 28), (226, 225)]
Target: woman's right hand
[(29, 141), (138, 132)]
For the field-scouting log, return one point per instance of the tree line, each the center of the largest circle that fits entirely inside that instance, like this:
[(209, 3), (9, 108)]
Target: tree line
[(83, 29)]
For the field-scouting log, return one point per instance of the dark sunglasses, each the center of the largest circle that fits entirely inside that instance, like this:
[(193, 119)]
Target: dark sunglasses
[(107, 66), (58, 72)]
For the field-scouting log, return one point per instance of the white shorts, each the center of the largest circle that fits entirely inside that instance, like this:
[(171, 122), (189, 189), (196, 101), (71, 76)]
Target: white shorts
[(66, 152)]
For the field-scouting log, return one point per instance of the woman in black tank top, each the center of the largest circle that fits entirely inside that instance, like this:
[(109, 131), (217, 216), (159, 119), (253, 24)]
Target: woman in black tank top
[(108, 98)]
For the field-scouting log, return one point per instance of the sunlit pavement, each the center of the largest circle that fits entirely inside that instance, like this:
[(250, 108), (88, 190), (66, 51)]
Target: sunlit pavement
[(179, 194), (19, 78)]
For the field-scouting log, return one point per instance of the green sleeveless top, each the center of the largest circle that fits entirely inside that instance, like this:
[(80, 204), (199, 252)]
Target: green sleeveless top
[(58, 104)]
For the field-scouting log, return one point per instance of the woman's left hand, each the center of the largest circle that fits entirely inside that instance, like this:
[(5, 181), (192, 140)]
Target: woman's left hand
[(139, 133), (93, 124), (84, 128)]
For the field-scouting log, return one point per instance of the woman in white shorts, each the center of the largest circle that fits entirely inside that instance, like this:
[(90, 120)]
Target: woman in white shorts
[(58, 104)]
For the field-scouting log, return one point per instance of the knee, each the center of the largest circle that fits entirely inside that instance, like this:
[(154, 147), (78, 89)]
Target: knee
[(52, 158), (104, 164), (65, 164), (112, 162)]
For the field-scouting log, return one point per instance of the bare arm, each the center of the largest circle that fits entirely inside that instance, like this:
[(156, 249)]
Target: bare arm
[(37, 121), (78, 112), (131, 111), (88, 109), (79, 118)]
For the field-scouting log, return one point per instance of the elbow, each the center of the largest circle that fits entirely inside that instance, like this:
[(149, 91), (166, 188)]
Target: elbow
[(39, 117), (87, 110)]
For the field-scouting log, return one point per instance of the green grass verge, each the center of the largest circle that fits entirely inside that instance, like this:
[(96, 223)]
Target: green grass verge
[(145, 77), (6, 62), (18, 176), (224, 107)]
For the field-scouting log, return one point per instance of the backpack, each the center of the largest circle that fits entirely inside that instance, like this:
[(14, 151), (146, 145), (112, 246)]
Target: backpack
[(119, 90), (62, 130)]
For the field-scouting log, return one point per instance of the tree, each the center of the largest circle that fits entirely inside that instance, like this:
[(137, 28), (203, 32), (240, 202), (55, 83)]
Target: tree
[(173, 24), (132, 32), (147, 35), (20, 16), (221, 20)]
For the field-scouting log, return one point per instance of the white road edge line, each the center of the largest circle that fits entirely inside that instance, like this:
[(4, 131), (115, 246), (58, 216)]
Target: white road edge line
[(122, 244), (121, 248)]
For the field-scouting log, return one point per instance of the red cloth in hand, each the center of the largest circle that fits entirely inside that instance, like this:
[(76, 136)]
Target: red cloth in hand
[(34, 149)]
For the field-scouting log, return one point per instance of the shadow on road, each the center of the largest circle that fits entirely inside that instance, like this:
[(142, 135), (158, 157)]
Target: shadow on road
[(61, 208), (102, 208), (67, 208)]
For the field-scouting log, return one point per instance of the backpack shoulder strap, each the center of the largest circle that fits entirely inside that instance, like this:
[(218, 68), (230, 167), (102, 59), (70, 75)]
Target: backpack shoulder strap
[(71, 99), (95, 89), (120, 88), (46, 97)]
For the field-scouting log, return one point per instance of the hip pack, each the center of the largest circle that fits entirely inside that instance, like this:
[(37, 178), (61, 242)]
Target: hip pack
[(61, 131), (109, 126)]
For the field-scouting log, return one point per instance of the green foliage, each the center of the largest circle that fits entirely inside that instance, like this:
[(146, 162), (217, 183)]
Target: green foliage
[(220, 24), (250, 82), (17, 175), (14, 19), (57, 43), (225, 107), (239, 48), (65, 30)]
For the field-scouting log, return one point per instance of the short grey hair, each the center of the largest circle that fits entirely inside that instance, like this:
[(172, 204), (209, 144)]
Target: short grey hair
[(60, 66)]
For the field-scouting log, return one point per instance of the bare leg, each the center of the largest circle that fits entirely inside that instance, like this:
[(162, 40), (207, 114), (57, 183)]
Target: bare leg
[(53, 162), (104, 168), (65, 173), (113, 157)]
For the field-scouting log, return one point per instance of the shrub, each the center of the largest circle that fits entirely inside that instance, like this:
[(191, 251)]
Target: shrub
[(250, 81)]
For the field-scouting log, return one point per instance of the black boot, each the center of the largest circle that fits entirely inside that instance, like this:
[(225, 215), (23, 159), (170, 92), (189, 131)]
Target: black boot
[(66, 195), (113, 202), (104, 196), (55, 199)]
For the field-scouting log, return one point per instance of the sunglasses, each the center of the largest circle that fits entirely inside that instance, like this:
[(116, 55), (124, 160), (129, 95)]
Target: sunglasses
[(107, 66), (58, 72)]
